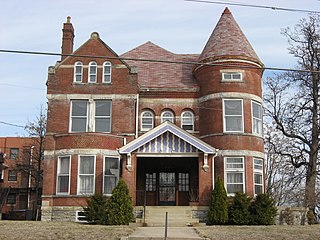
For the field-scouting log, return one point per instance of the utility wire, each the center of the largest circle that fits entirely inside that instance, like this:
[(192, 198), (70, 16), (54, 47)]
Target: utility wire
[(11, 124), (254, 6), (156, 61)]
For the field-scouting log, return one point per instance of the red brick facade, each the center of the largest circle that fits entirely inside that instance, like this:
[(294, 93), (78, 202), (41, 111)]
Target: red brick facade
[(218, 102)]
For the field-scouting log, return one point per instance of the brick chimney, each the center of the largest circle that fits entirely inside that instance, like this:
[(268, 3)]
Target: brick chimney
[(67, 38)]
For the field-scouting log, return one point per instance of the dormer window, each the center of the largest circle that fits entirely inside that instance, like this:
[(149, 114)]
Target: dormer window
[(106, 72), (92, 72), (78, 69), (232, 76)]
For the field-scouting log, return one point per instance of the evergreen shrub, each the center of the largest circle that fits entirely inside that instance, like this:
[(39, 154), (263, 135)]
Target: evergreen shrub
[(238, 212), (262, 210), (96, 210)]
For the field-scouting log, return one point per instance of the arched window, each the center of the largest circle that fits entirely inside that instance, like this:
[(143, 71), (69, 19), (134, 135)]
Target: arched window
[(92, 72), (187, 121), (78, 69), (106, 72), (146, 120), (167, 116)]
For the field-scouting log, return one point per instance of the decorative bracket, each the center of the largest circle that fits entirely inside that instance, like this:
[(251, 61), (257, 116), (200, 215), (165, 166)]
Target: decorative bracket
[(129, 166), (205, 162)]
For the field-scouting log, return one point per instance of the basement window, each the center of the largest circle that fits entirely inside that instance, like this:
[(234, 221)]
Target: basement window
[(81, 217)]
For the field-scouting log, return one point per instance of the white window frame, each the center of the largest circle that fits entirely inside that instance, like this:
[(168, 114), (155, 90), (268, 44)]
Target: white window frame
[(74, 117), (258, 169), (63, 175), (230, 76), (107, 64), (226, 116), (106, 175), (234, 170), (103, 117), (184, 118), (92, 74), (75, 73), (80, 217), (94, 175), (142, 117), (256, 121), (167, 118)]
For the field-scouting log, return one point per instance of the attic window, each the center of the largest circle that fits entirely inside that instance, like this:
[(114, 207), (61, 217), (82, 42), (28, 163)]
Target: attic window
[(78, 68), (107, 72), (232, 76), (92, 72)]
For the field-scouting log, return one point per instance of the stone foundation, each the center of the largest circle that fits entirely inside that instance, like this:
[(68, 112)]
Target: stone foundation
[(59, 214)]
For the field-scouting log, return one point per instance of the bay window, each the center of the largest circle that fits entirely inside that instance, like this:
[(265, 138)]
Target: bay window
[(256, 118), (63, 175), (234, 175), (86, 175), (258, 175), (111, 174), (233, 115)]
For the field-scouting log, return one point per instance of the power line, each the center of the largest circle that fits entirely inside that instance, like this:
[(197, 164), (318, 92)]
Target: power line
[(11, 124), (156, 61), (254, 6), (20, 86)]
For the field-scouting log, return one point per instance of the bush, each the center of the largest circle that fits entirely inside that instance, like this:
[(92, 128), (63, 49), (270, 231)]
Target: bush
[(96, 210), (310, 217), (218, 212), (262, 210), (238, 212), (120, 210)]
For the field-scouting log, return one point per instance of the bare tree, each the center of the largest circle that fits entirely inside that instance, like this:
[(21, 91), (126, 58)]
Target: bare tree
[(33, 168), (292, 101)]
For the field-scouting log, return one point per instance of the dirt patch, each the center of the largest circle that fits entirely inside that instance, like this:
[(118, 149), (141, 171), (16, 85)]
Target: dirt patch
[(60, 230), (260, 232)]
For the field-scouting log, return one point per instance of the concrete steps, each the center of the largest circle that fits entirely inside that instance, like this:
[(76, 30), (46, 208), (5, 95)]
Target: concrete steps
[(178, 216)]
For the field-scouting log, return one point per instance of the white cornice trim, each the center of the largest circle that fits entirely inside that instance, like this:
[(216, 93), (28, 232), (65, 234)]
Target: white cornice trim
[(230, 95), (81, 151), (241, 153), (90, 96)]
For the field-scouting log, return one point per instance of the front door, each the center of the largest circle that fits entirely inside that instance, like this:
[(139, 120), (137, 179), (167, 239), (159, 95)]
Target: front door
[(167, 188)]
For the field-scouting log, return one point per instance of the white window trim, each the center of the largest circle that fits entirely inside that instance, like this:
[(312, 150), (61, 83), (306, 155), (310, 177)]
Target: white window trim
[(69, 174), (78, 217), (94, 175), (87, 116), (78, 63), (182, 120), (258, 171), (231, 71), (93, 106), (103, 76), (164, 112), (236, 170), (141, 122), (224, 115), (2, 174), (104, 165), (92, 74), (254, 118)]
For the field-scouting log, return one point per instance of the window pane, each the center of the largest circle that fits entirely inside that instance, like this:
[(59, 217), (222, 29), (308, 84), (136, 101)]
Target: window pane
[(63, 184), (258, 189), (103, 125), (256, 110), (234, 177), (64, 165), (234, 188), (79, 125), (103, 108), (79, 108), (86, 165), (233, 107), (111, 174), (86, 184), (110, 183), (234, 124)]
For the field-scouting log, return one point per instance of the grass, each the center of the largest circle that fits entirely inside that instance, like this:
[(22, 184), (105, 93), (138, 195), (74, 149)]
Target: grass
[(69, 230), (283, 232), (60, 230)]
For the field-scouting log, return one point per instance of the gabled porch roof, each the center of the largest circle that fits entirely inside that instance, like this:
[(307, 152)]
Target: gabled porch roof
[(164, 131)]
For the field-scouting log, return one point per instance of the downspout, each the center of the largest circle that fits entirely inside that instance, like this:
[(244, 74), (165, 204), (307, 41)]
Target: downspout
[(137, 115), (29, 180), (213, 157)]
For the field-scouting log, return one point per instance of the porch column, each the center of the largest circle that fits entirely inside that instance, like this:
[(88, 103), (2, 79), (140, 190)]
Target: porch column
[(129, 175), (205, 181)]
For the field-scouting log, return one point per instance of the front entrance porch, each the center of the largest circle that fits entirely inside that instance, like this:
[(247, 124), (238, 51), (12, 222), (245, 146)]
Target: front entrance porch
[(167, 181)]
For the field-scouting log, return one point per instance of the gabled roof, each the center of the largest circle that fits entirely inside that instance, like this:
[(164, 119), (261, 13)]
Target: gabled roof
[(162, 75), (228, 40), (167, 127)]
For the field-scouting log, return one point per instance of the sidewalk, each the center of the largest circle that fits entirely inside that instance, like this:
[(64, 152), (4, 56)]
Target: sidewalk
[(157, 233)]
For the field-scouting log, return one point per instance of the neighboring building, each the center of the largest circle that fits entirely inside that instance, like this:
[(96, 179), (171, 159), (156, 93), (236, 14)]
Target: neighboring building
[(17, 187), (168, 129)]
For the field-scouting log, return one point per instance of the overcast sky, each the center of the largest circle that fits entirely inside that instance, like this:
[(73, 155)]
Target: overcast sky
[(176, 25)]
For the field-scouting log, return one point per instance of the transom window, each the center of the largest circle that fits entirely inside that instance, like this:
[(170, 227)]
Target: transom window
[(184, 182), (63, 175), (187, 121), (167, 116), (92, 72), (107, 72), (234, 171), (91, 116), (233, 115), (111, 174), (151, 180), (256, 118), (231, 76), (258, 175), (86, 175), (147, 119), (78, 69)]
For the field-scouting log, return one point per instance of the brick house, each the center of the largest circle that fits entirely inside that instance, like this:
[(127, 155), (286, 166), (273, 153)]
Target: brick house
[(17, 187), (167, 128)]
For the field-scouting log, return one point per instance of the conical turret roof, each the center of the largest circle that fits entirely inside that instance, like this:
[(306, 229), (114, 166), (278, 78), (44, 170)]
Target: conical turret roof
[(227, 40)]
